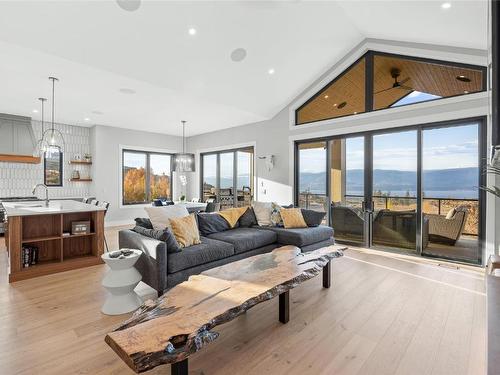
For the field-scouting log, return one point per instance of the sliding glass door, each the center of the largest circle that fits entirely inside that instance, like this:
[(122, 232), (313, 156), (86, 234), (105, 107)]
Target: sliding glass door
[(413, 190), (228, 177), (394, 192)]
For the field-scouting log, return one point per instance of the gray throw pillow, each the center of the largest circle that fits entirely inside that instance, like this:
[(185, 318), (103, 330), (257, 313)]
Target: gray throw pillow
[(248, 219), (210, 223), (313, 218), (143, 222), (161, 235)]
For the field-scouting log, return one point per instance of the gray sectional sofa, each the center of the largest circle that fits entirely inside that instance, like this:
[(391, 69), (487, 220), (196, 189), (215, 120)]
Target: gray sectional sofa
[(162, 269)]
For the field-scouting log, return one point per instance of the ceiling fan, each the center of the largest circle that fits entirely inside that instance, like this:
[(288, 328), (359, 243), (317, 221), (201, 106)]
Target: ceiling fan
[(395, 73)]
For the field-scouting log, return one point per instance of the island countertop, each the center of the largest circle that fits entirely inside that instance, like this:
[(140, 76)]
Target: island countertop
[(55, 207)]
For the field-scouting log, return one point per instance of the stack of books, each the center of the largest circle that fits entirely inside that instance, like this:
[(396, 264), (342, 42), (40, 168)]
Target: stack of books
[(29, 255)]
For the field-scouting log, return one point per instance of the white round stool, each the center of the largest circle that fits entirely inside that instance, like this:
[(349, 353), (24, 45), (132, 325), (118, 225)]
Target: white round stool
[(120, 282)]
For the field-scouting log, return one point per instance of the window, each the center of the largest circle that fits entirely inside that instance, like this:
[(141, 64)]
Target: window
[(379, 80), (146, 176), (343, 97), (53, 167), (227, 177), (312, 162)]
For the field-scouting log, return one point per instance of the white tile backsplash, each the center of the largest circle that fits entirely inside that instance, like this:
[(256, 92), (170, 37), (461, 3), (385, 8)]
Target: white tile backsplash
[(18, 179)]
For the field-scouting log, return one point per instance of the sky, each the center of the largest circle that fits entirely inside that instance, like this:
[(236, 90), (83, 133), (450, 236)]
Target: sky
[(226, 164), (159, 163), (444, 148)]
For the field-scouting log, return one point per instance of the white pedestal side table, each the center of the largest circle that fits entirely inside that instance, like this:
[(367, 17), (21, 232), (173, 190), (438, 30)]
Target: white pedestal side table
[(120, 282)]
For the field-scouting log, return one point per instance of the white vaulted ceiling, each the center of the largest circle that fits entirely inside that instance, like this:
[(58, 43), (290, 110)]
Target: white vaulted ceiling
[(96, 48)]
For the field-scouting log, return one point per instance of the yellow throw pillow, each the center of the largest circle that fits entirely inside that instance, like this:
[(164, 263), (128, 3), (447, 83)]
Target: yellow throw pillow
[(292, 218), (185, 230), (232, 215)]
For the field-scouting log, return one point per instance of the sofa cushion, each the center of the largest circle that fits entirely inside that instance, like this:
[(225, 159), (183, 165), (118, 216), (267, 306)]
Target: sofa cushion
[(244, 239), (313, 218), (248, 219), (301, 236), (165, 235), (143, 222), (210, 223), (207, 251)]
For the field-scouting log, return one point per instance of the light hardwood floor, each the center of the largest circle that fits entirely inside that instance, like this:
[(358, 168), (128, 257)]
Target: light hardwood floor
[(385, 314)]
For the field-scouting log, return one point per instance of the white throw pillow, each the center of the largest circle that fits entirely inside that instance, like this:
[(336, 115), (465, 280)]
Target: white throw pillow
[(160, 216), (263, 212)]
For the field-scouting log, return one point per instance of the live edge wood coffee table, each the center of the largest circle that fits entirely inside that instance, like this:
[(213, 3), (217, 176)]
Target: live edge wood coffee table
[(180, 322)]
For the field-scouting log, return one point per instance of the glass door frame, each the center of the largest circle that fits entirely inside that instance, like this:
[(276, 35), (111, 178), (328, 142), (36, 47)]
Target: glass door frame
[(368, 176)]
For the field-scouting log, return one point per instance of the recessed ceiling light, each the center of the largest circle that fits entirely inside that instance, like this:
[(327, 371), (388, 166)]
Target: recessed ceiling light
[(466, 92), (270, 71), (192, 31), (335, 104), (446, 5), (326, 96), (127, 91), (35, 111), (342, 105), (238, 54), (355, 113), (86, 119), (129, 5), (463, 78)]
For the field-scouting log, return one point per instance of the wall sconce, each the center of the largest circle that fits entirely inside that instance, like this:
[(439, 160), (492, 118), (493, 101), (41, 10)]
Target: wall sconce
[(269, 159)]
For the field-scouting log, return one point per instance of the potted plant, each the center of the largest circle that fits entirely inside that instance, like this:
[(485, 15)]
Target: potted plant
[(182, 198)]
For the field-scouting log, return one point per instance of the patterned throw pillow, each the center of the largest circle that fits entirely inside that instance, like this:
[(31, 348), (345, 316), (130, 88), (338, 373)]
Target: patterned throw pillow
[(292, 218), (185, 230), (276, 219), (262, 211)]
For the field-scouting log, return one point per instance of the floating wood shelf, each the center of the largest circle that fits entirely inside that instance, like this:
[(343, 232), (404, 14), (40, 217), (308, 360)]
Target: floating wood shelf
[(80, 162), (80, 179), (19, 159)]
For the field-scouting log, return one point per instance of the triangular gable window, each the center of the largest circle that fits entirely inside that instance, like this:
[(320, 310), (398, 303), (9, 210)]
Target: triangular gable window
[(379, 80)]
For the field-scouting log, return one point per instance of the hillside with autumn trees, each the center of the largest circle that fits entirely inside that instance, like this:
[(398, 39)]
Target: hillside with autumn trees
[(134, 186)]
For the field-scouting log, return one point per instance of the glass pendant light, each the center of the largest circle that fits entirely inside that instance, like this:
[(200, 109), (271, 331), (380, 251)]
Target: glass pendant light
[(41, 145), (52, 136), (184, 162)]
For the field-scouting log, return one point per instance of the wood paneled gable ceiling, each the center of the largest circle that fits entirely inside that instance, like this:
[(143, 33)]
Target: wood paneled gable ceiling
[(394, 78)]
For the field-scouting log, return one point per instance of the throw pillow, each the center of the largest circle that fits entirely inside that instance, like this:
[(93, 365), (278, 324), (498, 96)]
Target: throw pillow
[(248, 219), (185, 230), (209, 223), (275, 215), (160, 216), (262, 212), (232, 215), (313, 218), (292, 218), (143, 222), (161, 235)]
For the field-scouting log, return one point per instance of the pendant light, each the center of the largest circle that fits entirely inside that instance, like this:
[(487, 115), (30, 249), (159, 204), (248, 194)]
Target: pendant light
[(52, 136), (41, 145), (184, 162)]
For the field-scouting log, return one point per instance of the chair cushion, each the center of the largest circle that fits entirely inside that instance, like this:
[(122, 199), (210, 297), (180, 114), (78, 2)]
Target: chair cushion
[(207, 251), (245, 239), (302, 236)]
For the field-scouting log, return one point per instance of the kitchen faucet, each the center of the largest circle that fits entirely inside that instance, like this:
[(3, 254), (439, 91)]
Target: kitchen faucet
[(46, 193)]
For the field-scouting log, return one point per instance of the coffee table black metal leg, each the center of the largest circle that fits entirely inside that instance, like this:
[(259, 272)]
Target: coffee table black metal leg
[(327, 275), (284, 307), (179, 368)]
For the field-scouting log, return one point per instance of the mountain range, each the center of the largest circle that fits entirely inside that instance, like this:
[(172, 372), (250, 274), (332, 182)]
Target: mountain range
[(442, 180)]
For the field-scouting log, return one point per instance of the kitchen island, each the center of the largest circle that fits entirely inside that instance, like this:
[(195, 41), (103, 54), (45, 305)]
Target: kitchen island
[(40, 239)]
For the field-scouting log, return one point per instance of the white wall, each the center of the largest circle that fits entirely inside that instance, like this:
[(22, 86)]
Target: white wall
[(107, 142)]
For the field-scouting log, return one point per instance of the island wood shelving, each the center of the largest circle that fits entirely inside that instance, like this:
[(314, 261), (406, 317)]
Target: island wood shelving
[(56, 252)]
